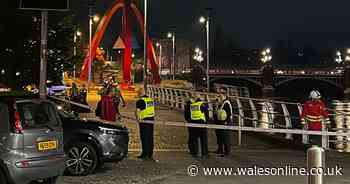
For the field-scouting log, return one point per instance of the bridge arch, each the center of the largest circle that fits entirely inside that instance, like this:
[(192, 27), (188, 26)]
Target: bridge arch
[(330, 82), (253, 85), (101, 29), (298, 88)]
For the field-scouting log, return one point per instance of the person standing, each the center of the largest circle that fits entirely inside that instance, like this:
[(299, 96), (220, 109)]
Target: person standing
[(313, 114), (145, 112), (224, 117), (117, 98), (83, 94), (108, 111), (197, 111), (74, 93)]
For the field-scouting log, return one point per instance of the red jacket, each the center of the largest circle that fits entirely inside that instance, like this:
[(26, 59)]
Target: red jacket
[(108, 111), (313, 112)]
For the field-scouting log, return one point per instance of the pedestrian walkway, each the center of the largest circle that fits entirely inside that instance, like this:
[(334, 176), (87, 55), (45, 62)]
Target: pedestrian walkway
[(173, 159)]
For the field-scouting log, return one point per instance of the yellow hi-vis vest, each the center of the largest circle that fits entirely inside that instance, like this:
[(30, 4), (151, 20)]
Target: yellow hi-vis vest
[(196, 113), (148, 112)]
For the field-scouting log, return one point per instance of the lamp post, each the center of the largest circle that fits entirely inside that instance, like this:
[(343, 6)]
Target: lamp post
[(206, 20), (160, 58), (145, 47), (76, 35), (172, 36), (198, 55), (92, 19), (338, 57), (266, 56)]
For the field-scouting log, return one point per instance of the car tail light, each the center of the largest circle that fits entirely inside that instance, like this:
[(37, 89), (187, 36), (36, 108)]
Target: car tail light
[(18, 126), (22, 164)]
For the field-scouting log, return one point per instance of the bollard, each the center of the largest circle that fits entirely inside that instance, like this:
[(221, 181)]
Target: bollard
[(315, 159)]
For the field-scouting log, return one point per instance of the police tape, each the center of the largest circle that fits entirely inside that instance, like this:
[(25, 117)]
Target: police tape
[(240, 128), (71, 102)]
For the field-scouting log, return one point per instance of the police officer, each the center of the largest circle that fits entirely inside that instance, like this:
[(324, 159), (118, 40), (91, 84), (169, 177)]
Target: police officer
[(83, 94), (145, 112), (196, 111), (224, 117)]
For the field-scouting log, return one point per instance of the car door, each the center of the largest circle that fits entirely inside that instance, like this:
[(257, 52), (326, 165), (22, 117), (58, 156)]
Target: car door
[(41, 128)]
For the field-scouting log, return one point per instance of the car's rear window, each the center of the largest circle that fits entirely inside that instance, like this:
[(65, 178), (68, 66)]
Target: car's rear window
[(37, 115)]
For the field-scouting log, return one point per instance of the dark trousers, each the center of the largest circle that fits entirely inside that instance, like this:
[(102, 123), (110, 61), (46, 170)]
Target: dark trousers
[(146, 135), (193, 135), (223, 138)]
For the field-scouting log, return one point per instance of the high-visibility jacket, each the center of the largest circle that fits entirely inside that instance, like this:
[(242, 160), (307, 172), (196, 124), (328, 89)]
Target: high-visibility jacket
[(148, 112), (196, 113), (313, 113)]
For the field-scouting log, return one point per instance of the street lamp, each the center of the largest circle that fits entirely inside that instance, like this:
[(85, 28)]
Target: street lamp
[(145, 27), (92, 19), (171, 35), (338, 57), (206, 20), (198, 55), (266, 55), (160, 58)]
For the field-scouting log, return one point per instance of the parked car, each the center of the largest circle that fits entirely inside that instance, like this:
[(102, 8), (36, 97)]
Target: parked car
[(31, 141), (89, 143), (56, 88)]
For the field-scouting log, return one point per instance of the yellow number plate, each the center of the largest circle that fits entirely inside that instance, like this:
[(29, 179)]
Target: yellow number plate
[(47, 145)]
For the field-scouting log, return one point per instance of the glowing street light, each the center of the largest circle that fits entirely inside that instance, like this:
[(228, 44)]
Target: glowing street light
[(266, 55), (170, 35), (96, 18), (338, 57), (79, 33), (198, 55), (202, 19)]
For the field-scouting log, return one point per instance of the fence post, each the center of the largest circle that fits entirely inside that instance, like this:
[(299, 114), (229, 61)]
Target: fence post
[(347, 125), (240, 121), (315, 159), (254, 113), (287, 119), (325, 142), (339, 124), (162, 95), (305, 137)]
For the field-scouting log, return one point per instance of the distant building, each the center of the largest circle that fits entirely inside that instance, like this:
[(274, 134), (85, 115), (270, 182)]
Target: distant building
[(183, 55)]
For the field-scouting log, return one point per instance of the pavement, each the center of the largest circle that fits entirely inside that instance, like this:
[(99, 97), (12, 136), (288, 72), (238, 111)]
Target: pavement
[(173, 162)]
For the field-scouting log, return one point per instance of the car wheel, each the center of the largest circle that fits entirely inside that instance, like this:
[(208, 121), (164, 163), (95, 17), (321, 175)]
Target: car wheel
[(2, 178), (82, 159)]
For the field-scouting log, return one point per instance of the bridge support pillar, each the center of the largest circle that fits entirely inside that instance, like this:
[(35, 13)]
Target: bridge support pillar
[(268, 91), (268, 76)]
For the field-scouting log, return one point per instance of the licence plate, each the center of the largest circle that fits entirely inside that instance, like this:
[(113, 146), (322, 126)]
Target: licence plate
[(47, 145)]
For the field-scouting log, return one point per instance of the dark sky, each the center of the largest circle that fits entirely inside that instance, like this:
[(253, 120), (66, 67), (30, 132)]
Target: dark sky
[(251, 23)]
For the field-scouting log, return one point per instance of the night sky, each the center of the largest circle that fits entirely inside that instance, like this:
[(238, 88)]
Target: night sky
[(250, 23)]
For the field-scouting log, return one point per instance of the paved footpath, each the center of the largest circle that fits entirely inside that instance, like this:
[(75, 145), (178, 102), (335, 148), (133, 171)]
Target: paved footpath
[(173, 159)]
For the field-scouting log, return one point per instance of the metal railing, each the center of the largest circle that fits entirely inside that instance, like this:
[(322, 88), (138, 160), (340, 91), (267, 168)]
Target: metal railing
[(264, 115)]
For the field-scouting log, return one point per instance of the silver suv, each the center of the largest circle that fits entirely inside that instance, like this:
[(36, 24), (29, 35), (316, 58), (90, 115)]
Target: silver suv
[(31, 142)]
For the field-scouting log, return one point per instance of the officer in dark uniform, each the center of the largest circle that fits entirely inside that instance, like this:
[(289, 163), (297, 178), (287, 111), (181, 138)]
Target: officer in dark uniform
[(145, 112), (224, 117), (196, 111), (83, 94)]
